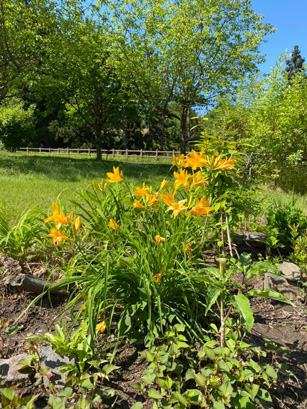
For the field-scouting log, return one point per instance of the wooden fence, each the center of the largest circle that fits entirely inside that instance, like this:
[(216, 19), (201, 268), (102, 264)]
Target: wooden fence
[(108, 154)]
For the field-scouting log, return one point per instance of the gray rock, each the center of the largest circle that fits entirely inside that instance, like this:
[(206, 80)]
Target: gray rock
[(291, 271), (9, 370), (54, 362), (282, 285)]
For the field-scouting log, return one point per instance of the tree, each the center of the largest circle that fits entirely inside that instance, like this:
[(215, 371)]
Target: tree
[(188, 51), (295, 64)]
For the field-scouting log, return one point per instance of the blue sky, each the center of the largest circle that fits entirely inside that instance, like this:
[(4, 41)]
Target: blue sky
[(290, 21)]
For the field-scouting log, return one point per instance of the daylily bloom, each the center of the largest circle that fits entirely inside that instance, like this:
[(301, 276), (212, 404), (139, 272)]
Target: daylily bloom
[(168, 198), (202, 207), (158, 277), (101, 327), (57, 236), (55, 212), (138, 205), (159, 239), (198, 180), (182, 178), (179, 162), (152, 200), (76, 225), (113, 224), (115, 176), (164, 184), (217, 163), (177, 207), (58, 216), (142, 191), (195, 160)]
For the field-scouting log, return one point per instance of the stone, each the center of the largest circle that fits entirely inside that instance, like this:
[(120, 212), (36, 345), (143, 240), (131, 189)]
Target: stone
[(54, 362), (9, 370), (281, 284), (291, 271)]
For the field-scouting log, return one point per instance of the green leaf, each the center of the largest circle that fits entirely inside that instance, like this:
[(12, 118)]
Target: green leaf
[(270, 372), (137, 405), (218, 405), (109, 368), (8, 393), (267, 293), (242, 305), (154, 394), (212, 295)]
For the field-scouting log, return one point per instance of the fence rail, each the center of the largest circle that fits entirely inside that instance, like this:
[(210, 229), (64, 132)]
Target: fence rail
[(118, 154)]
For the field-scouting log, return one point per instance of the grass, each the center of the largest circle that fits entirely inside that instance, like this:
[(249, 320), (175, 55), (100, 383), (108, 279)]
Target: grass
[(280, 196), (35, 180)]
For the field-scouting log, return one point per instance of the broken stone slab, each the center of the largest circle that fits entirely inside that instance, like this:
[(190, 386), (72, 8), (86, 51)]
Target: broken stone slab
[(281, 284), (255, 240), (9, 370), (53, 361), (291, 271)]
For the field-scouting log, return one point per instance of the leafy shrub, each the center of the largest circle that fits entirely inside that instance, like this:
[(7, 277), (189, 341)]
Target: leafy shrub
[(17, 124), (281, 219)]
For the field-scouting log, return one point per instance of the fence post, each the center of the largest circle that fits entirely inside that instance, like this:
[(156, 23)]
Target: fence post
[(127, 154), (113, 153), (58, 151), (39, 150), (89, 152), (27, 150), (141, 154), (157, 158)]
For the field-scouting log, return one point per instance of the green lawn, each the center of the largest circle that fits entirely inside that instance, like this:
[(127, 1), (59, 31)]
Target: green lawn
[(30, 180), (37, 180)]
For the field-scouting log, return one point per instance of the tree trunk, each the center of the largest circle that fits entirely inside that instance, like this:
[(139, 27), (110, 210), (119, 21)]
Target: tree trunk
[(184, 134), (98, 135)]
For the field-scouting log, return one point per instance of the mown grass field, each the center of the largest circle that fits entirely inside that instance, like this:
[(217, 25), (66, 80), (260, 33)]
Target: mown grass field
[(36, 180)]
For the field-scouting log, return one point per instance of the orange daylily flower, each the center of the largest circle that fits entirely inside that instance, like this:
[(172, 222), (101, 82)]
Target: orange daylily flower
[(202, 207), (198, 180), (195, 160), (217, 163), (159, 239), (115, 176), (168, 198), (138, 205), (142, 191), (158, 277), (55, 212), (113, 224), (57, 236), (164, 184), (182, 178), (179, 162), (152, 200), (177, 207), (101, 327)]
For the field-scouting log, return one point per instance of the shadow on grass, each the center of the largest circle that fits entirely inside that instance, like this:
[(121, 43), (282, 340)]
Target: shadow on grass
[(76, 169)]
